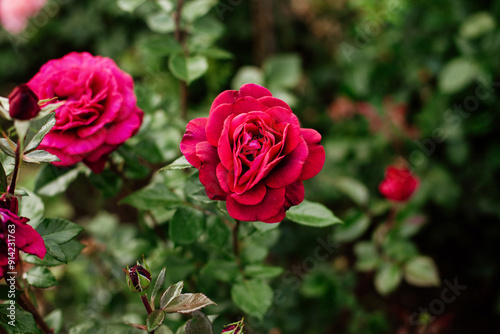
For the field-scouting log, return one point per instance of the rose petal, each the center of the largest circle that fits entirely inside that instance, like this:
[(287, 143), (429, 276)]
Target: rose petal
[(290, 168), (195, 133), (270, 206), (294, 194), (224, 149), (87, 144), (254, 91), (282, 115), (316, 158), (222, 177), (215, 122), (272, 102), (208, 170), (28, 240), (252, 196), (277, 218)]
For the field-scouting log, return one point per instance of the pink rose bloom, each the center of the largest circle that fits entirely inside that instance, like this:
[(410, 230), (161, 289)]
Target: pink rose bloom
[(100, 112), (26, 239), (14, 14), (252, 153), (399, 184)]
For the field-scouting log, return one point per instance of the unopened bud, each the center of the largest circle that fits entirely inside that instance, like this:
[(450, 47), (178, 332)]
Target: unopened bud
[(138, 278), (23, 103)]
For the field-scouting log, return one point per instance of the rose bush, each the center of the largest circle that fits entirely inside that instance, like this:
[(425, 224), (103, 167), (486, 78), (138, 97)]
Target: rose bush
[(399, 184), (100, 112), (25, 237), (252, 153)]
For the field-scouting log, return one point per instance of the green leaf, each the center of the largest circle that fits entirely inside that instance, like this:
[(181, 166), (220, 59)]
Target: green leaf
[(129, 5), (387, 278), (187, 69), (180, 163), (55, 250), (187, 303), (457, 74), (196, 9), (155, 319), (216, 53), (38, 129), (226, 271), (218, 232), (171, 292), (162, 45), (262, 271), (160, 22), (39, 156), (247, 74), (351, 187), (152, 196), (283, 71), (254, 297), (58, 230), (421, 271), (199, 324), (353, 229), (367, 256), (31, 206), (477, 24), (55, 320), (312, 214), (51, 180), (41, 277), (70, 251), (186, 225), (158, 284), (264, 227), (23, 323)]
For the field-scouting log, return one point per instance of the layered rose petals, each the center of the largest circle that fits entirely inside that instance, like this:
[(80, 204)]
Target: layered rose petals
[(100, 112), (251, 152)]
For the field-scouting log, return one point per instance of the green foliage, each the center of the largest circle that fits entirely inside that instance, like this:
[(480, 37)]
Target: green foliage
[(312, 214), (252, 296)]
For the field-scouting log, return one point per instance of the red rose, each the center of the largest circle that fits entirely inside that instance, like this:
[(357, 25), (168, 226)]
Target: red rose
[(23, 103), (22, 237), (251, 152), (399, 184), (100, 112)]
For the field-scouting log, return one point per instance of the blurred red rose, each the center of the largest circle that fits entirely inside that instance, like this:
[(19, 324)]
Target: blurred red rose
[(399, 184), (251, 152), (100, 112), (14, 14)]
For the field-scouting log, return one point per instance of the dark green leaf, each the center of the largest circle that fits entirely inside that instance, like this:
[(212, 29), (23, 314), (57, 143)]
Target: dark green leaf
[(312, 214), (186, 225), (262, 271), (51, 180), (70, 249), (387, 278), (23, 322), (199, 324), (354, 228), (154, 320), (152, 196), (162, 45), (254, 297), (196, 9), (421, 271), (158, 284), (41, 277), (58, 230), (218, 232), (187, 69), (55, 250), (283, 71), (38, 129), (55, 320), (226, 271), (3, 179), (129, 5), (180, 163)]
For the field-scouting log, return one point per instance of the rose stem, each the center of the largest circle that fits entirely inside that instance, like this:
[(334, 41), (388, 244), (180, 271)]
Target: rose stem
[(236, 227), (145, 301), (17, 164), (181, 38), (26, 304)]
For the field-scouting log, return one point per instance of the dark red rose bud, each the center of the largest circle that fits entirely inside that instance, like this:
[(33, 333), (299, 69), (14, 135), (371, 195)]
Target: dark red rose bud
[(399, 184), (23, 103), (138, 278), (234, 328)]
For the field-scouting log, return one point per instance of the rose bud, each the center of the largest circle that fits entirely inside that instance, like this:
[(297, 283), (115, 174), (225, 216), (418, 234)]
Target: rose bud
[(234, 328), (399, 184), (138, 278), (23, 103)]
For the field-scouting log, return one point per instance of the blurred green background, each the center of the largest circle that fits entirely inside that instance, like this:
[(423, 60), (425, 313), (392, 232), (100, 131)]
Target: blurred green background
[(408, 82)]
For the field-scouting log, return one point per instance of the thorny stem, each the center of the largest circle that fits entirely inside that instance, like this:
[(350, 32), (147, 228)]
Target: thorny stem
[(27, 304), (145, 301), (180, 36), (17, 165)]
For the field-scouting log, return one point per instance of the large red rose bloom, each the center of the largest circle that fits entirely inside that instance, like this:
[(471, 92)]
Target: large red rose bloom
[(251, 152), (100, 112)]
